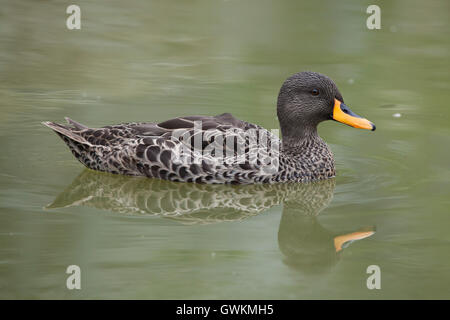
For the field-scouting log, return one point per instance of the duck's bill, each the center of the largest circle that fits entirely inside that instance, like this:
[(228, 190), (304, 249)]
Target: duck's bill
[(343, 114), (343, 241)]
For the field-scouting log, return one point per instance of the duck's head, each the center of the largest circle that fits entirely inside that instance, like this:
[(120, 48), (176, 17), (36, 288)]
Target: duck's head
[(308, 98)]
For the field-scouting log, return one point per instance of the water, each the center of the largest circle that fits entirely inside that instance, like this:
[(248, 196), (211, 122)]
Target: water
[(155, 60)]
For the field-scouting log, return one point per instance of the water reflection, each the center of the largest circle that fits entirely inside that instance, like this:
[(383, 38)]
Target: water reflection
[(304, 242)]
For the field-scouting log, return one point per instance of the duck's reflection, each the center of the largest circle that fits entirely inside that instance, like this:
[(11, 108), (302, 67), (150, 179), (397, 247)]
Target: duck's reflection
[(310, 247), (304, 242)]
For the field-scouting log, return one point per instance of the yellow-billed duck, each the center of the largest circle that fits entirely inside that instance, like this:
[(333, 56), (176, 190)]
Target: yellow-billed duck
[(223, 149)]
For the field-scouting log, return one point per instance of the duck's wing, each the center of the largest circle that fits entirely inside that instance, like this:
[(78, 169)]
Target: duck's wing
[(116, 134), (221, 122), (220, 149)]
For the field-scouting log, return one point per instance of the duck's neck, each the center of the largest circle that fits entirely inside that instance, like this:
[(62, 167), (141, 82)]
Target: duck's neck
[(296, 139)]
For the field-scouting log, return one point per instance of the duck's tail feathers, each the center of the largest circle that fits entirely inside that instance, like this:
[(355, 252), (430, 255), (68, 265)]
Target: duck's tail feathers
[(75, 124), (68, 132)]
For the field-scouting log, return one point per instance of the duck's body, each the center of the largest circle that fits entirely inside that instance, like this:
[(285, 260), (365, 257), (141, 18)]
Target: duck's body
[(150, 149), (186, 148)]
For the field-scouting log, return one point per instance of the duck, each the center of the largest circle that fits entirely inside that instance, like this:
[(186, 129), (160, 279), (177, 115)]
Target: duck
[(223, 149)]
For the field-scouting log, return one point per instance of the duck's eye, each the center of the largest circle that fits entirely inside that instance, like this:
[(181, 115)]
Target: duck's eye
[(315, 92)]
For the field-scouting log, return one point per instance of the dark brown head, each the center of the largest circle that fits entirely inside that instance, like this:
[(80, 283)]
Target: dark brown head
[(308, 98)]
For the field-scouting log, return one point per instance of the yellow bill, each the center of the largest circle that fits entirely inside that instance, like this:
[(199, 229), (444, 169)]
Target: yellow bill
[(343, 114)]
